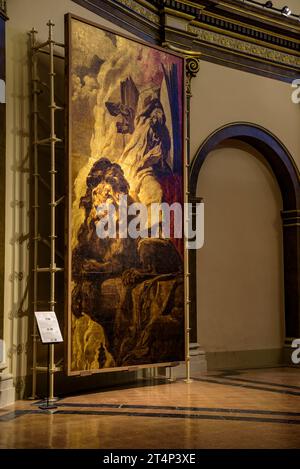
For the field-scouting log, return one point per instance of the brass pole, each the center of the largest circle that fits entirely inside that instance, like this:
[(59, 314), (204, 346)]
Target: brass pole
[(192, 67), (36, 48), (52, 107), (35, 91), (192, 63)]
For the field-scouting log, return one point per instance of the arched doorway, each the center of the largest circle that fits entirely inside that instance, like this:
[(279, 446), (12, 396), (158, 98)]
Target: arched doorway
[(287, 177)]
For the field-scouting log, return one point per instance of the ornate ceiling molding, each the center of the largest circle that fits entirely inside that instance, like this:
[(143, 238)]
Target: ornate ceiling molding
[(248, 48), (143, 9), (224, 31)]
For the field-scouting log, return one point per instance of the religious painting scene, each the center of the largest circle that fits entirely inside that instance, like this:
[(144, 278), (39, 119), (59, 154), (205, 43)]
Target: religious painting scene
[(126, 304)]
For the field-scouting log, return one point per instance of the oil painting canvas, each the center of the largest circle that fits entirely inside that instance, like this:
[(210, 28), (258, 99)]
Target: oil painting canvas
[(124, 292)]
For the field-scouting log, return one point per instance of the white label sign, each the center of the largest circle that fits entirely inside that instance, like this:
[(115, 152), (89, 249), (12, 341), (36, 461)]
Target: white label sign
[(48, 327), (2, 91)]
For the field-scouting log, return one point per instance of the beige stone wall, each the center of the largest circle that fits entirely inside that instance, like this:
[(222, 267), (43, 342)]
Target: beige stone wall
[(240, 273), (222, 95)]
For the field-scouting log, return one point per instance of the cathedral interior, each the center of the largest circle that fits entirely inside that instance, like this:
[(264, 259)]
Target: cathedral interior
[(155, 342)]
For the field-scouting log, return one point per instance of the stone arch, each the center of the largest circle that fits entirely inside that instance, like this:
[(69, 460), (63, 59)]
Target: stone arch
[(287, 175)]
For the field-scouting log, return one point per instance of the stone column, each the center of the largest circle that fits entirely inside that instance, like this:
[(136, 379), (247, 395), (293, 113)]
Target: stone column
[(7, 390), (291, 248)]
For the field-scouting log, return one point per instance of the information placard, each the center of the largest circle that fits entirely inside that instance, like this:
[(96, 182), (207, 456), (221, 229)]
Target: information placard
[(48, 327)]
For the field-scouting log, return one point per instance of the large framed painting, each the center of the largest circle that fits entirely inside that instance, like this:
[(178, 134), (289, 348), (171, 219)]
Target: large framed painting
[(124, 273)]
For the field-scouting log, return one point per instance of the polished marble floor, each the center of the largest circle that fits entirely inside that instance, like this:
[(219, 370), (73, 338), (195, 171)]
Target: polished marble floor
[(238, 409)]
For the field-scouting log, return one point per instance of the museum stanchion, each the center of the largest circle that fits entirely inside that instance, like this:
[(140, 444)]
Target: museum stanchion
[(37, 88)]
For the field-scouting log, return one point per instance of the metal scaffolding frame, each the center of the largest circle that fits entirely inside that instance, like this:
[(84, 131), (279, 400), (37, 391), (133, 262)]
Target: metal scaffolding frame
[(48, 48)]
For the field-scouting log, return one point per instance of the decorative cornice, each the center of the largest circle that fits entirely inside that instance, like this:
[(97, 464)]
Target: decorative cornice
[(142, 9), (219, 29), (249, 31), (263, 15), (233, 7), (244, 47)]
